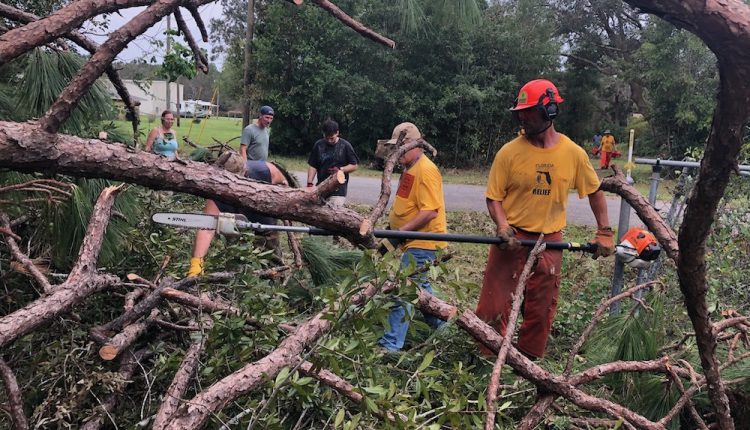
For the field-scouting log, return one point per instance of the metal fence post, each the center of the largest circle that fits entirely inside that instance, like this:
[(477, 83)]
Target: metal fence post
[(643, 274), (619, 273)]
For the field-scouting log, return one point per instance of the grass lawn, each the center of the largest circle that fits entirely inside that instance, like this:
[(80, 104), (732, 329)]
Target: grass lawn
[(201, 133), (225, 129)]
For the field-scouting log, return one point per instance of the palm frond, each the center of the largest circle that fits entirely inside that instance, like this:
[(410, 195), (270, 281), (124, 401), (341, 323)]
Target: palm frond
[(463, 13), (413, 16)]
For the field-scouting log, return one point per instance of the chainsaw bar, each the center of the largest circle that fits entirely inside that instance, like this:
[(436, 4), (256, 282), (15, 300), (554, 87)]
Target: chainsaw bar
[(200, 221)]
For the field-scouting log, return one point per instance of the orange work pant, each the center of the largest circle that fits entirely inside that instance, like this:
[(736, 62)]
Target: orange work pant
[(504, 268), (605, 157)]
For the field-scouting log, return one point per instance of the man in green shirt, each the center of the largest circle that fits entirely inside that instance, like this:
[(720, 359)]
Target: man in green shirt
[(254, 143)]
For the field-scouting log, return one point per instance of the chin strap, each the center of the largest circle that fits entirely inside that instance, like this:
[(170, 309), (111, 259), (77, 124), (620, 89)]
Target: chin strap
[(526, 133)]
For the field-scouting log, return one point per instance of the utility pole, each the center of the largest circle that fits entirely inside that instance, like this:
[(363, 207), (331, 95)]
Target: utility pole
[(248, 54), (169, 46)]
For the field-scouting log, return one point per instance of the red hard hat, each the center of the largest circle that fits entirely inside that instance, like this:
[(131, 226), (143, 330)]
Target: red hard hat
[(535, 93)]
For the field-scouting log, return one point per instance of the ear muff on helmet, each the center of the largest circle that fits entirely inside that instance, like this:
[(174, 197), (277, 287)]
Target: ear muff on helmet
[(550, 110)]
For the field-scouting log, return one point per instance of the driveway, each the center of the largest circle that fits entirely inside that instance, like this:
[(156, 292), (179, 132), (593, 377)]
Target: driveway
[(470, 198)]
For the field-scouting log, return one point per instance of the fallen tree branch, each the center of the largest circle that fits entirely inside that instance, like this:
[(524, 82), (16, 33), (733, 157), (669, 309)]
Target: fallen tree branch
[(128, 364), (22, 258), (176, 391), (81, 283), (354, 24), (129, 334), (343, 387), (13, 394), (667, 238), (510, 329), (198, 410), (385, 185), (24, 146), (201, 62), (61, 109), (294, 246), (89, 45)]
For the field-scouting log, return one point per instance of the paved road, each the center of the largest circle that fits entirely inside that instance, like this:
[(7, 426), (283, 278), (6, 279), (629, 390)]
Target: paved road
[(366, 190)]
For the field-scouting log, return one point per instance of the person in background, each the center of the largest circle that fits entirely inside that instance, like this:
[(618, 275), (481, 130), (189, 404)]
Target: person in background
[(419, 205), (329, 155), (254, 169), (606, 149), (527, 195), (255, 137), (162, 140)]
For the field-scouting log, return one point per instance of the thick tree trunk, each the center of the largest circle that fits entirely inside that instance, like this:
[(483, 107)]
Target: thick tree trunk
[(25, 147), (724, 25)]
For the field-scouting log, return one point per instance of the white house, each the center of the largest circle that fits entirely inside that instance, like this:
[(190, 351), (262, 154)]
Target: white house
[(152, 95)]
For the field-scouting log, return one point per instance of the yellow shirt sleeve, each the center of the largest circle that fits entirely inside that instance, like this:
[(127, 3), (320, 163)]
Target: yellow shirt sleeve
[(586, 181), (497, 180), (430, 190)]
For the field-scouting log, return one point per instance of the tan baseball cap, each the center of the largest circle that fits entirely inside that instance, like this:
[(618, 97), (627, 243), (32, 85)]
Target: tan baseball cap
[(412, 132)]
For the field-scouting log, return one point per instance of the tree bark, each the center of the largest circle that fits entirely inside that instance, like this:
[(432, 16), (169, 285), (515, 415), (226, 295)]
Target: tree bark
[(13, 394), (23, 39), (176, 391), (66, 102), (195, 412), (90, 46), (126, 337), (724, 25), (24, 147)]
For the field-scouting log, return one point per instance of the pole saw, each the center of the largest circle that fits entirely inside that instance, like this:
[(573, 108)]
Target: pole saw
[(230, 224)]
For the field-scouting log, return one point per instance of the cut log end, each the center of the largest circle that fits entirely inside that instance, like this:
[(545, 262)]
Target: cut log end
[(108, 352), (341, 177), (365, 227)]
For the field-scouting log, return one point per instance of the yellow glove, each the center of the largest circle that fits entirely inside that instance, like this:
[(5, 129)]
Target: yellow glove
[(196, 267)]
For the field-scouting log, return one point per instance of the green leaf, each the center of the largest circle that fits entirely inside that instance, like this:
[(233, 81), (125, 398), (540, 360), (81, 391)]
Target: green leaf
[(426, 361), (281, 377), (371, 406), (339, 418)]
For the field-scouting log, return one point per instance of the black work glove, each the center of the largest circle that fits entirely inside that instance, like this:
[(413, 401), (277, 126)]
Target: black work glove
[(333, 170)]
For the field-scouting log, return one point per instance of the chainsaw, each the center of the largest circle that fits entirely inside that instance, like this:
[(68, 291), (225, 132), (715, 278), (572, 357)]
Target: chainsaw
[(638, 248), (230, 225)]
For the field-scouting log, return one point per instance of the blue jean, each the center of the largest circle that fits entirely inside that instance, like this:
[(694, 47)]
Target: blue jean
[(398, 320)]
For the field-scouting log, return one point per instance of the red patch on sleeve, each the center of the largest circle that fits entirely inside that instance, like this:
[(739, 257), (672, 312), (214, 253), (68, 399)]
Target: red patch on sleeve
[(404, 185)]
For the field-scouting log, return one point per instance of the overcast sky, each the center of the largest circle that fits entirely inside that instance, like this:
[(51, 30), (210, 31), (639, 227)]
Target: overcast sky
[(141, 47)]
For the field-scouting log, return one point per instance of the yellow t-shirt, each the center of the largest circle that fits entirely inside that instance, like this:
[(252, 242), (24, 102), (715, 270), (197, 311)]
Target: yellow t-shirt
[(533, 183), (608, 143), (420, 189)]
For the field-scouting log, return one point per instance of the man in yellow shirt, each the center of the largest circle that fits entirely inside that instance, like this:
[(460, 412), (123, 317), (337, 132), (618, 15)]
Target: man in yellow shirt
[(527, 194), (606, 149), (419, 206)]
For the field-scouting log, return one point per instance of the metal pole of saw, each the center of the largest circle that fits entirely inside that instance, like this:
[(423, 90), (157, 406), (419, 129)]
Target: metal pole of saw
[(411, 235)]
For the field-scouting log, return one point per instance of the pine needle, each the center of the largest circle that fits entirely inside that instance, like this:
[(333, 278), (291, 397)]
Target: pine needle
[(325, 261)]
